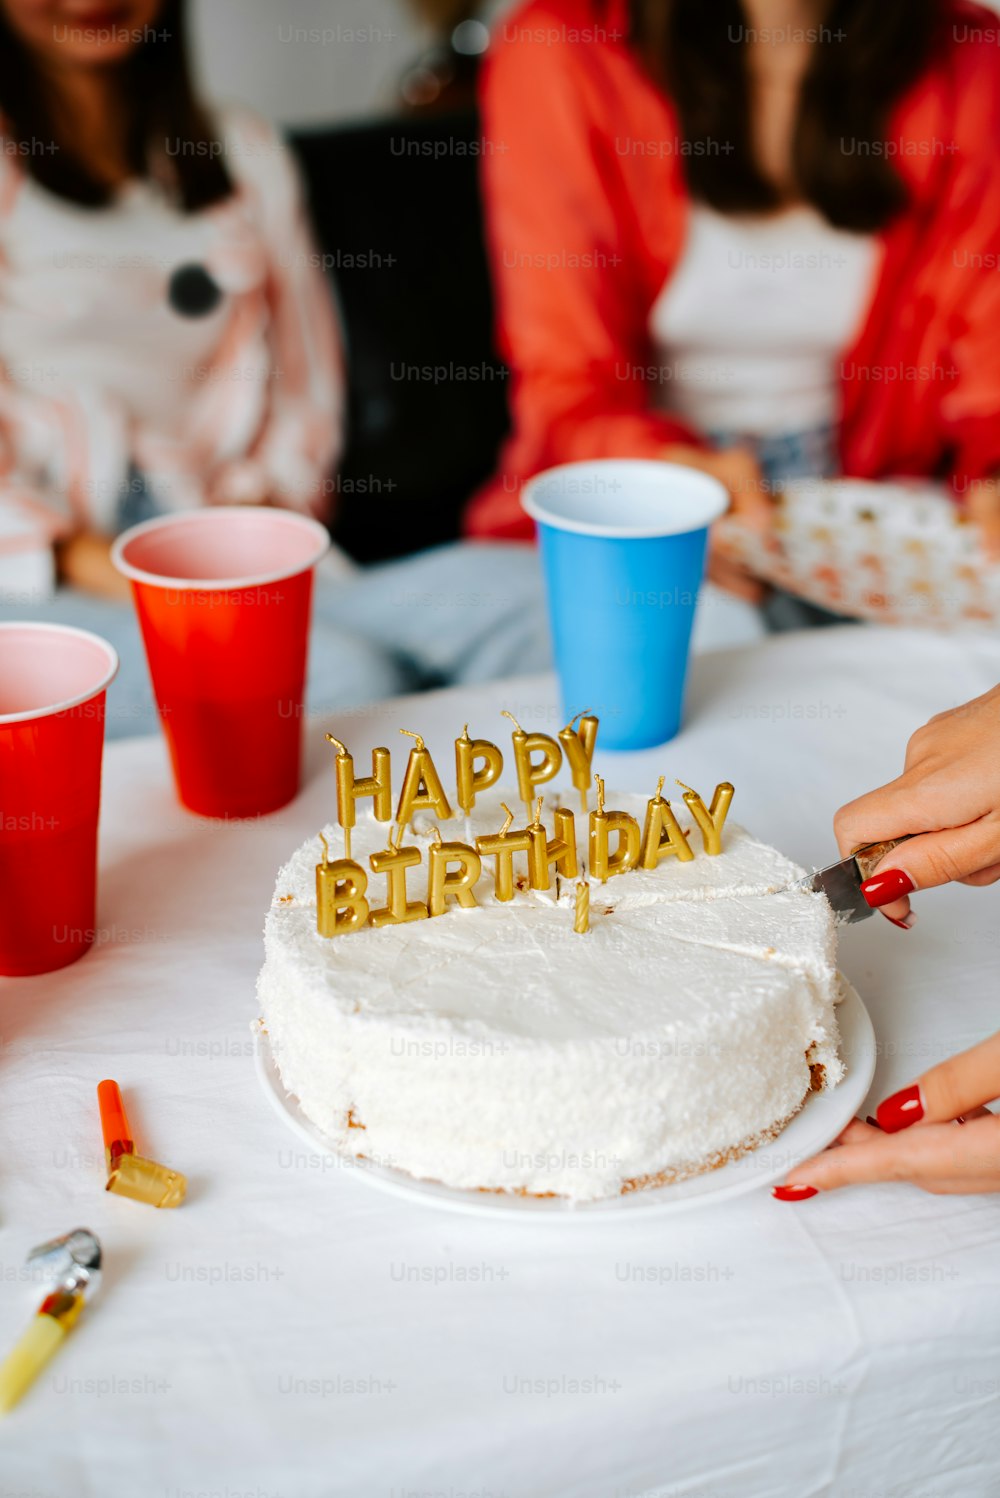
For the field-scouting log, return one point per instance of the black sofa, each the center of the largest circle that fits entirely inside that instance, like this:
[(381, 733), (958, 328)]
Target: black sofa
[(398, 217)]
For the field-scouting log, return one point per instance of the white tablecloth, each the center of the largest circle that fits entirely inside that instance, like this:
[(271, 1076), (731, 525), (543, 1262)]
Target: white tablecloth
[(290, 1333)]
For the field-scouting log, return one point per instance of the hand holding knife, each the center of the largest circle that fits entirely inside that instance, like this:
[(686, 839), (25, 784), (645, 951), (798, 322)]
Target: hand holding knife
[(841, 882)]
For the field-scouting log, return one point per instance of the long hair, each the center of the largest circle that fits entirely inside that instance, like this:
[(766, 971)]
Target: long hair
[(168, 134), (865, 55)]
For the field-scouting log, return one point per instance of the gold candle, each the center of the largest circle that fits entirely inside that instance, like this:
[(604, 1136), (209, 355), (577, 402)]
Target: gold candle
[(502, 846), (340, 895), (422, 788), (662, 835), (578, 746), (531, 774), (604, 865), (559, 850), (378, 785), (710, 819), (393, 863), (581, 919), (442, 882), (468, 780)]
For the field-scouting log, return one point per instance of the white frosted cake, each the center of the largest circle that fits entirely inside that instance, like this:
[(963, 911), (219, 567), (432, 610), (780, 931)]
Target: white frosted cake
[(498, 1049)]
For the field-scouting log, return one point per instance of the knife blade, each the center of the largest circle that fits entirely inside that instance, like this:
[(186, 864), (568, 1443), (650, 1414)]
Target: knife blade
[(841, 882)]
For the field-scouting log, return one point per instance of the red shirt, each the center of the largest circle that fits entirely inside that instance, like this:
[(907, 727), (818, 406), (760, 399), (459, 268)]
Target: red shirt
[(586, 216)]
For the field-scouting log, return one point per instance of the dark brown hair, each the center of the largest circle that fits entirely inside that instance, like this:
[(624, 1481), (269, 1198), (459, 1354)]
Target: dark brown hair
[(168, 135), (865, 55)]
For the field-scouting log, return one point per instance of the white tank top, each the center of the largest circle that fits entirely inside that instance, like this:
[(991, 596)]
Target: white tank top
[(752, 324)]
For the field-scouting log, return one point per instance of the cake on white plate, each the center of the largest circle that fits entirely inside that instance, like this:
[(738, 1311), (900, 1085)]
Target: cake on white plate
[(497, 1049)]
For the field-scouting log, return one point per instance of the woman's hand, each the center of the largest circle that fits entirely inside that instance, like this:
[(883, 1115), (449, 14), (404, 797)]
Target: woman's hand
[(936, 1134), (84, 561), (983, 507), (242, 481), (738, 470), (949, 791)]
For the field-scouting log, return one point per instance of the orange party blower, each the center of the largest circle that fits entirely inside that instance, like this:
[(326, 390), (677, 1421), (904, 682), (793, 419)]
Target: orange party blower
[(128, 1173), (117, 1134)]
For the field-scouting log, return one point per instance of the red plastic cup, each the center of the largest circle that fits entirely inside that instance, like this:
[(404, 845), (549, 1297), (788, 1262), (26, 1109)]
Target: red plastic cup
[(53, 682), (223, 598)]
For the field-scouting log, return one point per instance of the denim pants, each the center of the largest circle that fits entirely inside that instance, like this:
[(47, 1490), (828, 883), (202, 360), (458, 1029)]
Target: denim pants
[(462, 613), (457, 614)]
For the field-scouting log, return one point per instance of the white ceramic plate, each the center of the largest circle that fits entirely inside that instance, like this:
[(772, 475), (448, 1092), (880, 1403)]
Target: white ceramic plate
[(823, 1116)]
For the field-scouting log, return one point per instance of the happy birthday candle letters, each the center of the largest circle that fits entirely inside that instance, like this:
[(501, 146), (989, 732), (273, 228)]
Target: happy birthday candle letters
[(526, 857)]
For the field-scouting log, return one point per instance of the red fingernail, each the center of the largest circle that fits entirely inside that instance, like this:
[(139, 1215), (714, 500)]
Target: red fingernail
[(873, 1121), (793, 1193), (904, 925), (882, 889), (900, 1110)]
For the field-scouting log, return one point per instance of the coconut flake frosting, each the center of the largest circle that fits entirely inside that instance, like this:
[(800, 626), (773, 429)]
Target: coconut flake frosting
[(496, 1049)]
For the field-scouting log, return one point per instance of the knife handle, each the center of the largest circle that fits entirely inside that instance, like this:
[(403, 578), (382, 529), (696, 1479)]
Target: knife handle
[(870, 855)]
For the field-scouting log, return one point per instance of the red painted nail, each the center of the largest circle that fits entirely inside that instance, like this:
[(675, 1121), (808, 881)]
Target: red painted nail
[(900, 1110), (904, 925), (882, 889), (793, 1193), (873, 1121)]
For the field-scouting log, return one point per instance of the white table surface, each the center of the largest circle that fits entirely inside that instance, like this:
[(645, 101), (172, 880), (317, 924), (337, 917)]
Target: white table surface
[(290, 1333)]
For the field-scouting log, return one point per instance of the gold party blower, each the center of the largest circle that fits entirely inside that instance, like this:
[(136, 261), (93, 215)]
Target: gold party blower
[(128, 1173), (75, 1264)]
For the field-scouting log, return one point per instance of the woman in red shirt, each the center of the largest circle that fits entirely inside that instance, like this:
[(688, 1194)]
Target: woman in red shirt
[(648, 164)]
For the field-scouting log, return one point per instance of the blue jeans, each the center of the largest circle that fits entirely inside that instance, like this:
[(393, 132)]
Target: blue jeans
[(463, 613), (458, 614)]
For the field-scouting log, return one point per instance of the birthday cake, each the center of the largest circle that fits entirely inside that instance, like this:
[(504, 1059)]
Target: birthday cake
[(488, 1020)]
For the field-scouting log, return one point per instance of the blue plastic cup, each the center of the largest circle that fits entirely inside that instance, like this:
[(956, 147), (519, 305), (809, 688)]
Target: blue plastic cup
[(623, 550)]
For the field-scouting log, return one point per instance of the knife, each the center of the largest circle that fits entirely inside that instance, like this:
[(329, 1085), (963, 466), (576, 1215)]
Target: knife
[(841, 882)]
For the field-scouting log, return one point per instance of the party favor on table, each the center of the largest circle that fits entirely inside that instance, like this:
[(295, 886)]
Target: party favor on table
[(73, 1263), (128, 1173)]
